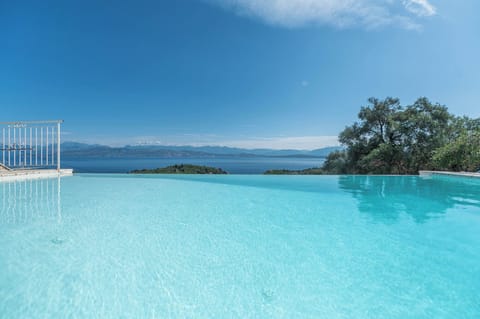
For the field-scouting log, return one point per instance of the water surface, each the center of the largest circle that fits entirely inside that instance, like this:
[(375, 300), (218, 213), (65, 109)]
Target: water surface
[(121, 246), (233, 165)]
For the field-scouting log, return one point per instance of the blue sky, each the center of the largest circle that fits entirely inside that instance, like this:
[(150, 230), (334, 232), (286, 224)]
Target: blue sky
[(248, 73)]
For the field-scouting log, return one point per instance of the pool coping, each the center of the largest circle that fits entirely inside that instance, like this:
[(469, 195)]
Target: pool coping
[(448, 173), (24, 174)]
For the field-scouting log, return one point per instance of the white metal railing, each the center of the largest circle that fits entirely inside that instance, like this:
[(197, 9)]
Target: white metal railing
[(31, 144)]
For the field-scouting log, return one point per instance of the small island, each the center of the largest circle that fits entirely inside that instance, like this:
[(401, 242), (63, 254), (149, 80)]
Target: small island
[(181, 169), (307, 171)]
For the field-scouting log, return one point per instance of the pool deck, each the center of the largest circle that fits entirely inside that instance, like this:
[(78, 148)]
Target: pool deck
[(23, 174), (460, 174)]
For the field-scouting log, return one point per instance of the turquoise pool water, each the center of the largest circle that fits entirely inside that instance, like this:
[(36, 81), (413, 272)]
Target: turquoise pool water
[(119, 246)]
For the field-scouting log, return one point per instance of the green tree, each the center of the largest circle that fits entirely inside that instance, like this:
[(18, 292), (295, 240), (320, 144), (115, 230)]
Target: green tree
[(336, 163), (391, 139), (423, 128), (372, 141), (462, 154)]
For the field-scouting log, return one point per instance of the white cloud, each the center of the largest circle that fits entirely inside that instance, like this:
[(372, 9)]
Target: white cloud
[(420, 7), (338, 13), (278, 143)]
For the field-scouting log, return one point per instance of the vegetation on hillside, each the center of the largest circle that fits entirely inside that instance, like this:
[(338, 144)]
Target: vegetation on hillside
[(308, 171), (462, 154), (390, 138), (181, 169)]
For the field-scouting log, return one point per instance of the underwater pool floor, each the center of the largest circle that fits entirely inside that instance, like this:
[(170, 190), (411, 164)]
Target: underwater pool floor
[(240, 246)]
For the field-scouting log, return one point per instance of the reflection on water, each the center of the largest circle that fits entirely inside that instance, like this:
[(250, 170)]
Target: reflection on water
[(27, 200), (301, 183), (386, 197)]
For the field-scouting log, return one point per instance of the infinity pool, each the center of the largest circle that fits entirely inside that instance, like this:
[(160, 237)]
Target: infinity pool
[(123, 246)]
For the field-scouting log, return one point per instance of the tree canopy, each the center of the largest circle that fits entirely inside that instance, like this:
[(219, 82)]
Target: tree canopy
[(389, 138)]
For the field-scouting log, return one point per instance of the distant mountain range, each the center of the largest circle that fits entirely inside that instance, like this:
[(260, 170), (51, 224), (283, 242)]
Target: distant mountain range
[(81, 150)]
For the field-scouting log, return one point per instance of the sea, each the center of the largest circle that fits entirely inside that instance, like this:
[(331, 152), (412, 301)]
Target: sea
[(233, 165)]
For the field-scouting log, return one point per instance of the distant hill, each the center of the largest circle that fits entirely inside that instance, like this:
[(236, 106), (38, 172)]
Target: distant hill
[(323, 152), (181, 169), (81, 150), (308, 171)]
